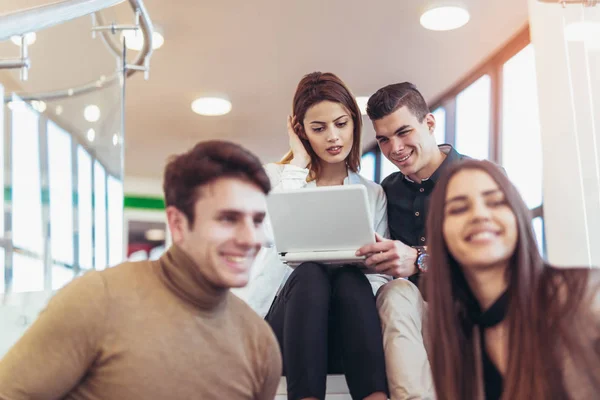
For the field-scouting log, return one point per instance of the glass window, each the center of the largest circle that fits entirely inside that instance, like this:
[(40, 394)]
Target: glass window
[(99, 216), (440, 125), (84, 207), (473, 119), (367, 165), (115, 220), (387, 168), (538, 229), (2, 283), (28, 274), (61, 275), (26, 190), (60, 177), (521, 137), (2, 170)]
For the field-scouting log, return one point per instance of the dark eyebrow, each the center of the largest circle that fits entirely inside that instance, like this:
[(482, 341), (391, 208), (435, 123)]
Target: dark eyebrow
[(238, 213), (321, 122), (491, 191), (399, 130), (464, 198)]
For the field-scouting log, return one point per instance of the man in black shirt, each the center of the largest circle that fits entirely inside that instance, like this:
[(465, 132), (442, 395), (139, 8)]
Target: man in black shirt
[(404, 130)]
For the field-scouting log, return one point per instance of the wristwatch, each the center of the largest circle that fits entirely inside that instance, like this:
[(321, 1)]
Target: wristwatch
[(422, 258)]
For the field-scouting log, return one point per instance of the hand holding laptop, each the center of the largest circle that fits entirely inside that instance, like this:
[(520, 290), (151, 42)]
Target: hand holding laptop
[(390, 257), (321, 224)]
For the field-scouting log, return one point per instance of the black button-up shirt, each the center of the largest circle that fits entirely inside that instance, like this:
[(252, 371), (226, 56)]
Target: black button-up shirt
[(408, 201)]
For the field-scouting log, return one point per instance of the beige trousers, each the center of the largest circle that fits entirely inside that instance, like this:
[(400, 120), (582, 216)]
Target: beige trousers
[(402, 312)]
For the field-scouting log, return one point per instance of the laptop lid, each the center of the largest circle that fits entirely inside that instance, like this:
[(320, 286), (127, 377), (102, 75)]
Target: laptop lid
[(321, 219)]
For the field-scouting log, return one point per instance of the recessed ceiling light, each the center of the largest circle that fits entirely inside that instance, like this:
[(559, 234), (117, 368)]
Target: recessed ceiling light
[(38, 105), (362, 104), (58, 110), (445, 18), (91, 134), (29, 39), (211, 106), (91, 113), (134, 39), (115, 139), (14, 105), (155, 235)]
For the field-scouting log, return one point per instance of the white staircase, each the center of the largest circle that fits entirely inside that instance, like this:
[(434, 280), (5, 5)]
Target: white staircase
[(337, 389)]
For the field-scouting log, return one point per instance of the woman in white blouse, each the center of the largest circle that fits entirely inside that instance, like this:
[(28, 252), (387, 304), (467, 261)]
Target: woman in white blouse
[(325, 319)]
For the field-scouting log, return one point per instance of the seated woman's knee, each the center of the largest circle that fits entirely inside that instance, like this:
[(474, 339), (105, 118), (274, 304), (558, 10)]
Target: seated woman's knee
[(349, 284), (311, 276)]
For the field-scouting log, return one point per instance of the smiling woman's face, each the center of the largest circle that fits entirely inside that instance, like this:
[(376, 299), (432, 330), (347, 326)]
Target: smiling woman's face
[(480, 229)]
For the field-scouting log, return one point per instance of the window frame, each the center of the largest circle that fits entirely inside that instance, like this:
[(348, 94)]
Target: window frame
[(492, 66)]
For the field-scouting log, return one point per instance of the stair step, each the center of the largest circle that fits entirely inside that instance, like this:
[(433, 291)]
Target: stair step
[(337, 389)]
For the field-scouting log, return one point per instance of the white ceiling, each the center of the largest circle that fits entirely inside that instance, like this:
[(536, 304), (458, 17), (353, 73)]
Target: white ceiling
[(256, 52)]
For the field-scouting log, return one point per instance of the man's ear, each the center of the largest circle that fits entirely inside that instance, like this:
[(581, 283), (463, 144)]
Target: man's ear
[(178, 224), (430, 121)]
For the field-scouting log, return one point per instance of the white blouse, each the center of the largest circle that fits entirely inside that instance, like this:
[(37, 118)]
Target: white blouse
[(268, 273)]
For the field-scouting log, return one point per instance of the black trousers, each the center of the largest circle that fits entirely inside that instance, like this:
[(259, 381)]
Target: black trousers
[(326, 321)]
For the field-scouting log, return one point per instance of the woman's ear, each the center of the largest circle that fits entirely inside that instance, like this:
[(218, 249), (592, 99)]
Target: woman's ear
[(301, 133), (299, 129)]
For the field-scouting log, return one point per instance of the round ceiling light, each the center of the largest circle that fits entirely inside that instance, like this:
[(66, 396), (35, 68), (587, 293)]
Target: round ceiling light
[(362, 104), (211, 106), (445, 18), (91, 113), (38, 105), (29, 39), (91, 134), (134, 39)]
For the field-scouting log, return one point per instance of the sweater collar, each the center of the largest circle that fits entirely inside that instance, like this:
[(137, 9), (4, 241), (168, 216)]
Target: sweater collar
[(185, 279)]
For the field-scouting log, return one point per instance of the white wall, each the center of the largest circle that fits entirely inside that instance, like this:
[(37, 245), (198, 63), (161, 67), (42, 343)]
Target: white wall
[(568, 76), (142, 186)]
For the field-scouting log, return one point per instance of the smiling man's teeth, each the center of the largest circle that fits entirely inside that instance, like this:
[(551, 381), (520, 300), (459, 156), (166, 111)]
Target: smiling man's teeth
[(405, 158), (235, 259)]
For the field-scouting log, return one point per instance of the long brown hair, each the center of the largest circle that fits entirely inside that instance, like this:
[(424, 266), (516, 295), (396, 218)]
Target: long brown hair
[(541, 308), (315, 88)]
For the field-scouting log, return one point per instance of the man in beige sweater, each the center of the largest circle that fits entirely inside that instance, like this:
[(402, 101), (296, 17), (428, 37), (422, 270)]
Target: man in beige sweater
[(168, 329)]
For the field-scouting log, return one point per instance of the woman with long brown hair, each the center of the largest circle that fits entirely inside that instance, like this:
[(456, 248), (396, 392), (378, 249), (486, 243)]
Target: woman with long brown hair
[(325, 319), (502, 323)]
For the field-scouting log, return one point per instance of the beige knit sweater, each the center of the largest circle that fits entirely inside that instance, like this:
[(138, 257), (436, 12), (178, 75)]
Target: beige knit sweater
[(145, 330)]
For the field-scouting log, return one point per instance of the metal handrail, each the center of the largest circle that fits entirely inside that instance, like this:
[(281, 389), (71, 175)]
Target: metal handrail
[(588, 3), (45, 16), (34, 19)]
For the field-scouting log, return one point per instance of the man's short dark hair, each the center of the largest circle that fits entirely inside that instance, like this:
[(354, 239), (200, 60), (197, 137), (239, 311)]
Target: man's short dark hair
[(186, 173), (392, 97)]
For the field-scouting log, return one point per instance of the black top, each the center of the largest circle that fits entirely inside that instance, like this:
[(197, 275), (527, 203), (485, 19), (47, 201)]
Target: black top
[(492, 379), (408, 202)]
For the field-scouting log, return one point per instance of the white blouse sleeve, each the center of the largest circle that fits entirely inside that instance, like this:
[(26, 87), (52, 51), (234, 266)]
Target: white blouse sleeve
[(380, 225), (286, 176), (380, 217)]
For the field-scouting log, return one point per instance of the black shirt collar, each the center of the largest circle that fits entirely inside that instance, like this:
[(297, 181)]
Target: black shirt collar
[(451, 157)]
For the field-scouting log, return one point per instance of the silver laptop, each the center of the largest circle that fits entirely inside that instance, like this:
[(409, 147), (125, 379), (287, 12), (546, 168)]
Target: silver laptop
[(323, 224)]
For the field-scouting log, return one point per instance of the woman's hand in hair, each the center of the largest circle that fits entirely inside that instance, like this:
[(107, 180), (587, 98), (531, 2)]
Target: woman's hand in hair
[(301, 157), (389, 257)]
